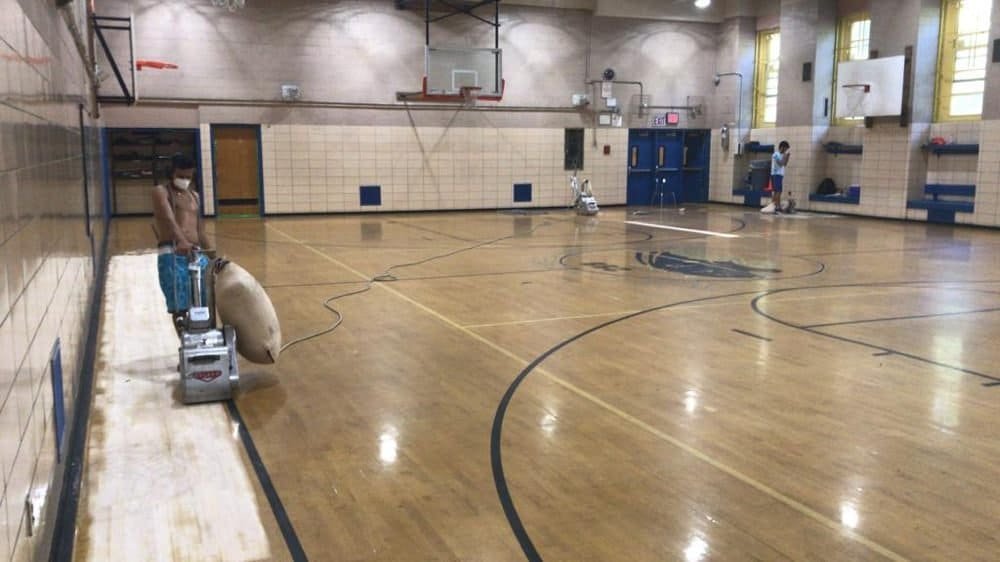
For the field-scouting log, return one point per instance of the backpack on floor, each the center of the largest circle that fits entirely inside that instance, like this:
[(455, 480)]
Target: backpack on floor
[(826, 187)]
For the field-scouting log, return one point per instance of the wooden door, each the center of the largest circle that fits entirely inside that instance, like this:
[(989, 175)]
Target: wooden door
[(237, 169)]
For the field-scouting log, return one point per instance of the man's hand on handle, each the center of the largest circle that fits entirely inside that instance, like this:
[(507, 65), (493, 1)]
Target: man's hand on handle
[(183, 248)]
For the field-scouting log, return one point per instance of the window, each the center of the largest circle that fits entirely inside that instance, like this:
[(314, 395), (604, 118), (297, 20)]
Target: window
[(766, 79), (965, 26), (573, 149), (853, 33)]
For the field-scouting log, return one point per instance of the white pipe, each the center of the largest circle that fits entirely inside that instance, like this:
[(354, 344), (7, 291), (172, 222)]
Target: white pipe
[(739, 108)]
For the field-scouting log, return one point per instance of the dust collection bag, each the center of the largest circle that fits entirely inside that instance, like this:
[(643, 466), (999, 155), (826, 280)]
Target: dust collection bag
[(243, 304)]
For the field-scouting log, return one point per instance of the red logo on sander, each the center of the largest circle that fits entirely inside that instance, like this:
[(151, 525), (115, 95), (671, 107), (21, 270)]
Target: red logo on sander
[(207, 376)]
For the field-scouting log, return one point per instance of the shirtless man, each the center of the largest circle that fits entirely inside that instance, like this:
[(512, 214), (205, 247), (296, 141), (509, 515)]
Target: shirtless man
[(180, 231)]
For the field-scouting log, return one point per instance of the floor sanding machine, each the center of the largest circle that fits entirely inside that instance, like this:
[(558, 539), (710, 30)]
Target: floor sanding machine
[(208, 364), (583, 197)]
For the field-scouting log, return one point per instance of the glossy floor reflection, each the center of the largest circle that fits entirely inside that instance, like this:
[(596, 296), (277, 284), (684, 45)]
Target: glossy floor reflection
[(540, 384)]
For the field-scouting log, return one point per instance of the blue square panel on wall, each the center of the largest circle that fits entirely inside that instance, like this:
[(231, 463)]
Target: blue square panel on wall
[(371, 195), (522, 192)]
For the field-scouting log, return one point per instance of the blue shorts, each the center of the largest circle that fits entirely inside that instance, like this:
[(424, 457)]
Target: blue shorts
[(175, 280), (776, 182)]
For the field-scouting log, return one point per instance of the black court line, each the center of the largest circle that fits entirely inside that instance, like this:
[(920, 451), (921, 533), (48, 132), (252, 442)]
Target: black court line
[(994, 383), (419, 278), (64, 527), (645, 237), (755, 305), (881, 353), (912, 317), (280, 515), (752, 335), (496, 434), (430, 231)]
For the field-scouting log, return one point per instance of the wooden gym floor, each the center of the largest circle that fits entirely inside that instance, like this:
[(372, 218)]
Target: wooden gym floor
[(546, 386)]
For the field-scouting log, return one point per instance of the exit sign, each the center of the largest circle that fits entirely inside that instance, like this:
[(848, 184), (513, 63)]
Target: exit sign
[(665, 119)]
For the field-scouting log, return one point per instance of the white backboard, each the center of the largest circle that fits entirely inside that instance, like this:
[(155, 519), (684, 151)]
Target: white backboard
[(884, 80), (449, 69)]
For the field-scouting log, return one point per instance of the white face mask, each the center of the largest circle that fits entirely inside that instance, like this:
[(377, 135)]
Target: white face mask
[(182, 183)]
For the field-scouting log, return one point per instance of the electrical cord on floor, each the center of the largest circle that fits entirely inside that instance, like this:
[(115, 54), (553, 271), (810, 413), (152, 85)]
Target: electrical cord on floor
[(386, 277)]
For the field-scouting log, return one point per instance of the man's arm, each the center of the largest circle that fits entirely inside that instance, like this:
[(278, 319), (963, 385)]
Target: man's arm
[(788, 156), (164, 213)]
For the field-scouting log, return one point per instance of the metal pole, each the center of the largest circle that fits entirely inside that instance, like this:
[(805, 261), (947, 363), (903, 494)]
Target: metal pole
[(739, 116), (131, 56)]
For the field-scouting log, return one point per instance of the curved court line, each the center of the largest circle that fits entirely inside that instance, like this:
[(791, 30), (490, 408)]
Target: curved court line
[(755, 305), (910, 317), (514, 519), (496, 432), (763, 488)]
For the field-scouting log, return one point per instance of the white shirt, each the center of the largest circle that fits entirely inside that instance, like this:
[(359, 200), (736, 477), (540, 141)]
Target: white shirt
[(777, 168)]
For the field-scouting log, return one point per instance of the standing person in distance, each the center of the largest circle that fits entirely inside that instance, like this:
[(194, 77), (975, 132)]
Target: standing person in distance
[(779, 160)]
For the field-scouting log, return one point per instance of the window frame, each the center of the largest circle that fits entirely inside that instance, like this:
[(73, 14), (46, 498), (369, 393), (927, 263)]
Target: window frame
[(842, 53), (762, 67), (947, 54)]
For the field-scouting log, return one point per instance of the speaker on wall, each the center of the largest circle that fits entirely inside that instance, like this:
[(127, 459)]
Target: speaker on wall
[(996, 50), (807, 71)]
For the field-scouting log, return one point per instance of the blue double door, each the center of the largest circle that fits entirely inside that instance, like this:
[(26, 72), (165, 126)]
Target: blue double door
[(667, 166)]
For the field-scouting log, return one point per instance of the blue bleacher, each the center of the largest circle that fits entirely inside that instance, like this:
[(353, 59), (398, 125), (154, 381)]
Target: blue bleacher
[(960, 200)]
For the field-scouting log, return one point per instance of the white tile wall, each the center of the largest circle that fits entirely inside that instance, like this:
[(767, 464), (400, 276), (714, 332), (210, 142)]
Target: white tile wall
[(207, 181), (844, 169), (892, 169), (46, 272), (319, 169), (988, 177), (885, 170), (954, 169), (806, 165), (723, 164)]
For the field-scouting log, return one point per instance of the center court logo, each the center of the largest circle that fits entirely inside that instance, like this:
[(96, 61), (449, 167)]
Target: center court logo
[(675, 263)]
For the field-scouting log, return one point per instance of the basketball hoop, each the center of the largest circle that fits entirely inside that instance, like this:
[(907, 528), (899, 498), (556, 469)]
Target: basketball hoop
[(855, 98), (469, 95)]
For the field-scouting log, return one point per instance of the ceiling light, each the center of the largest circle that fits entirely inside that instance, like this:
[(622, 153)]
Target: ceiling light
[(702, 3)]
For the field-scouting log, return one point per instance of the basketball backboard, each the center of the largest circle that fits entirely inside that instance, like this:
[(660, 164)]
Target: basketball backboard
[(449, 69), (870, 88)]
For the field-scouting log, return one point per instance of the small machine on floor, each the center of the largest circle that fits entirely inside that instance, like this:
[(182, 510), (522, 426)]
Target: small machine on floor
[(583, 197), (208, 364)]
